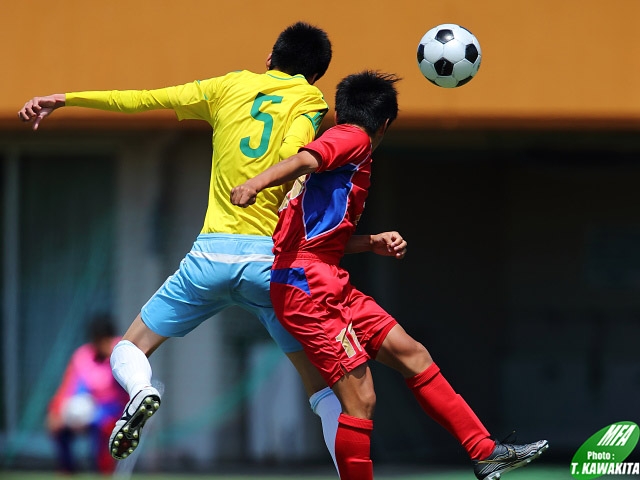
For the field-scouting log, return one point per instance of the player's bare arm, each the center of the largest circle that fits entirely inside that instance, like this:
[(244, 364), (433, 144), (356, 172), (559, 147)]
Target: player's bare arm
[(287, 170), (387, 244), (36, 109)]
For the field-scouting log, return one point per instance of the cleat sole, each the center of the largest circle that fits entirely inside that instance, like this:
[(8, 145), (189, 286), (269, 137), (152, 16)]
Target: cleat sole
[(125, 441)]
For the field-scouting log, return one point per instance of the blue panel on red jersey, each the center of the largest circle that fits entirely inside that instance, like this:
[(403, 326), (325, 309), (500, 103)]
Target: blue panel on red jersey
[(326, 199)]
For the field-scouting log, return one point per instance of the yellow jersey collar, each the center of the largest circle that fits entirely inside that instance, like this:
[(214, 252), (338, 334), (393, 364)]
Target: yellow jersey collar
[(284, 76)]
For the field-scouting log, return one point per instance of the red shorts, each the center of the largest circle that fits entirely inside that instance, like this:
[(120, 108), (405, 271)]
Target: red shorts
[(338, 326)]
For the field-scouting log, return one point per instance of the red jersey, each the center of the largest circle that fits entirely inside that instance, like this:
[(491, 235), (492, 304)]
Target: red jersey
[(338, 326), (321, 218)]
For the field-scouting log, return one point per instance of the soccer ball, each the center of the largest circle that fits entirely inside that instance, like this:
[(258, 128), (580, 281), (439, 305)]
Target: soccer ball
[(79, 411), (449, 55)]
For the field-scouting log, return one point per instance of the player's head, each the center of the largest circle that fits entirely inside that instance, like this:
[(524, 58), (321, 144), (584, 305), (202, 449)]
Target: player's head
[(302, 49), (368, 99), (102, 331)]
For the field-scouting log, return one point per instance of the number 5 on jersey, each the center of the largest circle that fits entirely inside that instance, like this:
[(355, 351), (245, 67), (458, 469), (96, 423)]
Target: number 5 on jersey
[(265, 118)]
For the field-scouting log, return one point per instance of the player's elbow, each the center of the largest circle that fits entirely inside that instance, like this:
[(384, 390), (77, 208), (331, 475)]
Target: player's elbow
[(307, 161)]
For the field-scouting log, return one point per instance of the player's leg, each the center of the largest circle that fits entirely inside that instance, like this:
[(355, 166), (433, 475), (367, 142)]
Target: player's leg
[(131, 368), (307, 299), (252, 284), (129, 359), (311, 379), (353, 438), (104, 462), (437, 398), (440, 401), (387, 342), (64, 438), (322, 400), (179, 306), (402, 353)]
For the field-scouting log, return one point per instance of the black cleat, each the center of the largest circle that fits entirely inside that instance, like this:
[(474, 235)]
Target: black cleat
[(126, 434), (506, 457)]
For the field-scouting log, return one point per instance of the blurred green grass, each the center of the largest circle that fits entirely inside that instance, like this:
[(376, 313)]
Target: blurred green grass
[(386, 473)]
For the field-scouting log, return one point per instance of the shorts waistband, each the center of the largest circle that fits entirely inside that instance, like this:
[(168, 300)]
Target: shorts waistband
[(233, 236), (287, 258)]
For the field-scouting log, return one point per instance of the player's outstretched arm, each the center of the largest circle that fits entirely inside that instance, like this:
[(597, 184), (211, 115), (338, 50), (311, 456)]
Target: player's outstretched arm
[(287, 170), (387, 244), (38, 108)]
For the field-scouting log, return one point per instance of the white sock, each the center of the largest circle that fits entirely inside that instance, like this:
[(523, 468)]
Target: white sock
[(130, 367), (326, 405)]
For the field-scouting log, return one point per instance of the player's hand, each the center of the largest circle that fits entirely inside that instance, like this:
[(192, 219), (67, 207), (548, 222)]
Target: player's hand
[(243, 195), (38, 108), (389, 244)]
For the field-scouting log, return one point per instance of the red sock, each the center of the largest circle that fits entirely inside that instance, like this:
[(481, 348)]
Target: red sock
[(445, 406), (353, 448), (105, 463)]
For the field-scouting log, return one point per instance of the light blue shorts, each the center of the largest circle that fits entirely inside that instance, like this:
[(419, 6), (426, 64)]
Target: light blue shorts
[(221, 270)]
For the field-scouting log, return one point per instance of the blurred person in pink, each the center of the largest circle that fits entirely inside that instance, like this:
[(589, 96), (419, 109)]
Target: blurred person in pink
[(88, 401)]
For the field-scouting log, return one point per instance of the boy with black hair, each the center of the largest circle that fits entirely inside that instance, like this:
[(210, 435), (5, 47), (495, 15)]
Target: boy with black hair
[(88, 400), (339, 327), (257, 119)]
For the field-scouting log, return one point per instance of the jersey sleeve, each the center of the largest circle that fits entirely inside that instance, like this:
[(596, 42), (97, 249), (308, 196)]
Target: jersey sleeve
[(338, 147), (126, 101), (196, 100), (189, 101)]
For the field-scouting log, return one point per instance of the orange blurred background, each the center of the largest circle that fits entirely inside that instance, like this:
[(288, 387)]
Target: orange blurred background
[(545, 61)]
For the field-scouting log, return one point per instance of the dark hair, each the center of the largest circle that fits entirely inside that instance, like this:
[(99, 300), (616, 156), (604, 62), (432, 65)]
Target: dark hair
[(101, 326), (302, 49), (367, 99)]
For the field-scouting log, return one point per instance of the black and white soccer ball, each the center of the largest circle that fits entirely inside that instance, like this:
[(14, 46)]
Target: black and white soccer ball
[(449, 55)]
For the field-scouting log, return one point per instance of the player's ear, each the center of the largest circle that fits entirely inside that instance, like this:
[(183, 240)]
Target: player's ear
[(379, 135), (268, 62), (383, 129)]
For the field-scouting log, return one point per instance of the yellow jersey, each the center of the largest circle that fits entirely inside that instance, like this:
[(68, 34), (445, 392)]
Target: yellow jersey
[(257, 120)]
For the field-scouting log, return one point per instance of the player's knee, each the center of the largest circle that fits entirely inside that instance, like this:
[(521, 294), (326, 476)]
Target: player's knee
[(416, 360), (369, 403), (361, 405), (421, 352)]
